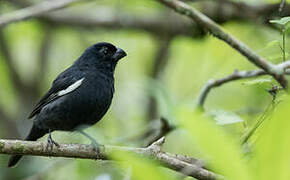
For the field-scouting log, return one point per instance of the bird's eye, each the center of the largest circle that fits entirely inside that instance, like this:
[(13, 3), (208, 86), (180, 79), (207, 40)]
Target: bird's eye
[(105, 51)]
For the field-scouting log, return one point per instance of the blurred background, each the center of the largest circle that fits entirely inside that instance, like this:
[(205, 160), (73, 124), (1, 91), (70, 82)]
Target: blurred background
[(169, 60)]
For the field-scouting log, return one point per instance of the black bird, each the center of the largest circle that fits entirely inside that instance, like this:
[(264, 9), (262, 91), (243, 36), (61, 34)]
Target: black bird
[(79, 97)]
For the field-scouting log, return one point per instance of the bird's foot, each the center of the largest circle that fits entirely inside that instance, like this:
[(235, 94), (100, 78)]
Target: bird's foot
[(96, 146), (50, 143)]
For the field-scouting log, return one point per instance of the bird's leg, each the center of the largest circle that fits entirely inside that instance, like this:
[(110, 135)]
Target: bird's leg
[(94, 143), (50, 141)]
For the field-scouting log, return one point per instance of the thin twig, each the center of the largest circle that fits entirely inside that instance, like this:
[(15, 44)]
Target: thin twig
[(35, 10), (87, 152), (232, 77), (218, 32), (282, 4), (155, 132), (237, 75), (246, 136)]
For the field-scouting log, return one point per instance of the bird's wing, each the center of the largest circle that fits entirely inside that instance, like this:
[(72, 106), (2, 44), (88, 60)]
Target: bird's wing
[(64, 84)]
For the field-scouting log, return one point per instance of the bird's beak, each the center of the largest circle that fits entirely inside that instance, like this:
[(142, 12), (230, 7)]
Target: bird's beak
[(119, 54)]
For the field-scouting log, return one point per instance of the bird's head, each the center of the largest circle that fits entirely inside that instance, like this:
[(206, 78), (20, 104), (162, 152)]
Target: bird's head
[(101, 55)]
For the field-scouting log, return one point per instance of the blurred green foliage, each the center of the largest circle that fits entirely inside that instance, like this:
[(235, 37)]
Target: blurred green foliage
[(192, 62)]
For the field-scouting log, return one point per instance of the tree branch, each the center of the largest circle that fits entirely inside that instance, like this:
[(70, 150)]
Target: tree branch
[(237, 75), (157, 129), (282, 4), (224, 10), (218, 82), (158, 24), (35, 10), (218, 32), (174, 162), (219, 10)]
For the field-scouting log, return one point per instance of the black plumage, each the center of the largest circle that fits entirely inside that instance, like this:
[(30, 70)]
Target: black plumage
[(79, 96)]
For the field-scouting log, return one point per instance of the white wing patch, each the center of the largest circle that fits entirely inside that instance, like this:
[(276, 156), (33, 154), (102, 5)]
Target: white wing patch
[(70, 88)]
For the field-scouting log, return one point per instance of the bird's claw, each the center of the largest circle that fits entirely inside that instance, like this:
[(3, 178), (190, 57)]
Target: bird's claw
[(97, 147), (51, 143)]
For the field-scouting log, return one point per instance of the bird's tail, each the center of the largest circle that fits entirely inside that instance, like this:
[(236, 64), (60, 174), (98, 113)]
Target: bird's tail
[(34, 134)]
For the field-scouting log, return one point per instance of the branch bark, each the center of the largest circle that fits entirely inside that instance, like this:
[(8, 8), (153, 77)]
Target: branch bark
[(35, 10), (175, 162), (218, 32)]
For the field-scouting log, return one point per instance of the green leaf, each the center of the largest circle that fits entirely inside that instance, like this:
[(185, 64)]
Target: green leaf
[(272, 43), (277, 56), (272, 149), (283, 21), (225, 117), (221, 150)]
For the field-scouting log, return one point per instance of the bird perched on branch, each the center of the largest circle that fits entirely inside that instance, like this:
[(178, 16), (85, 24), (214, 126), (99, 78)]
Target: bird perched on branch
[(79, 96)]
